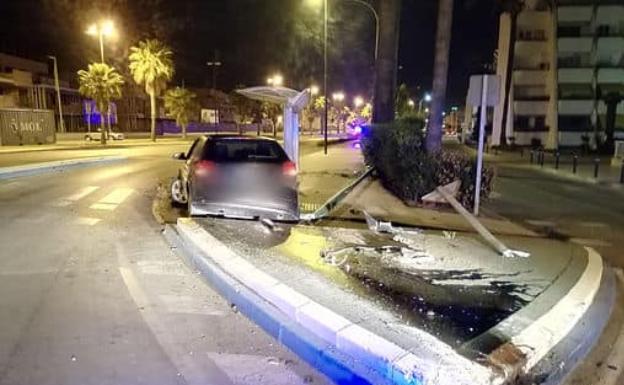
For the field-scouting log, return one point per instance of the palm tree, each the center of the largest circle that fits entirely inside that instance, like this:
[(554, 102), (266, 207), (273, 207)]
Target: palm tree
[(102, 83), (440, 74), (151, 65), (513, 8), (386, 64), (180, 104)]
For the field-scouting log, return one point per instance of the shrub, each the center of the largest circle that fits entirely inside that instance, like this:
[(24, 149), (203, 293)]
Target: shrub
[(397, 151)]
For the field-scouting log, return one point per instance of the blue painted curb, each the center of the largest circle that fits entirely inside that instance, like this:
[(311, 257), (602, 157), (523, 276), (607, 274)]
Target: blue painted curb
[(340, 368)]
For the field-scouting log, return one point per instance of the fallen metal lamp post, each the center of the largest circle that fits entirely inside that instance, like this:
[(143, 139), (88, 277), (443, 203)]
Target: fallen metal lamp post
[(484, 232)]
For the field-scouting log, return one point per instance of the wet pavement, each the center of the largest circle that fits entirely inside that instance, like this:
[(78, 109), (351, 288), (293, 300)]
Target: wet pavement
[(449, 285)]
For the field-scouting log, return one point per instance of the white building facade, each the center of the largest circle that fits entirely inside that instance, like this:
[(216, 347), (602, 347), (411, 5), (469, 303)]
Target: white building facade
[(566, 59)]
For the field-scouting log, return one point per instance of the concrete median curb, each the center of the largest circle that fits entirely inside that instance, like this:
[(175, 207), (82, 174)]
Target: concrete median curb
[(56, 166), (367, 353)]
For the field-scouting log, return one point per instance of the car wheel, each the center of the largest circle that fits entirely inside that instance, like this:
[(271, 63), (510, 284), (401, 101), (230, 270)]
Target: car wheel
[(178, 195)]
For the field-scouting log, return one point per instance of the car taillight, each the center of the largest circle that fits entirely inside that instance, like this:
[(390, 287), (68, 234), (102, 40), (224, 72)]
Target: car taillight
[(289, 168), (204, 167)]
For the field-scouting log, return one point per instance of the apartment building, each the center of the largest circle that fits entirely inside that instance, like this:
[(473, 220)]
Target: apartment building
[(567, 59)]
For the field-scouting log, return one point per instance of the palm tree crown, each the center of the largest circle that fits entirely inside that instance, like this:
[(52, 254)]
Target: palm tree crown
[(180, 105), (101, 83), (151, 64)]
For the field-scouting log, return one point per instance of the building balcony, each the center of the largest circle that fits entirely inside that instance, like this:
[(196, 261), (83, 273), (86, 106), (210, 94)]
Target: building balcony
[(575, 75), (610, 51), (610, 19), (530, 77), (602, 108), (576, 107), (575, 14), (530, 107), (583, 44), (611, 76)]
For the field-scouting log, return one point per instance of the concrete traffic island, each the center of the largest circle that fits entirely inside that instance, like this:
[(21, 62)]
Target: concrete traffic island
[(430, 307)]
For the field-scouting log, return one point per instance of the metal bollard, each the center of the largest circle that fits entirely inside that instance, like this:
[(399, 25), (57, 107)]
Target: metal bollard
[(622, 173), (574, 163), (596, 166), (531, 156), (557, 155), (541, 158)]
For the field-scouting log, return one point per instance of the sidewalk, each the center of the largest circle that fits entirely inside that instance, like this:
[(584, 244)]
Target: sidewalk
[(607, 174)]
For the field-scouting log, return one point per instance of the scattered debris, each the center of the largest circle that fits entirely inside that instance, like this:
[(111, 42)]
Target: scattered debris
[(449, 234)]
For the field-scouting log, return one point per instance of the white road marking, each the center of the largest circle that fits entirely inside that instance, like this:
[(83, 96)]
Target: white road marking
[(112, 200), (536, 222), (591, 242), (194, 371), (117, 196), (593, 224), (78, 195), (87, 221), (103, 206)]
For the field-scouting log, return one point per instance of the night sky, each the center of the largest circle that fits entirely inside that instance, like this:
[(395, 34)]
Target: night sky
[(254, 38)]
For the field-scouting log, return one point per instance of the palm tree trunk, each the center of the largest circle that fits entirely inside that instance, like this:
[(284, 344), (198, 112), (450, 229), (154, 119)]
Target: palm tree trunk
[(153, 116), (509, 75), (184, 131), (440, 75), (386, 64)]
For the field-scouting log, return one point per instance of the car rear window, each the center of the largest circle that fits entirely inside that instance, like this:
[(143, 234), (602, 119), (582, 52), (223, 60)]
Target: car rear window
[(244, 150)]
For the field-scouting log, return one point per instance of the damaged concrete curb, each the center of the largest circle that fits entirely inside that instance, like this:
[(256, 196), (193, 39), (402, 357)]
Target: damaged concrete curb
[(368, 353), (56, 166)]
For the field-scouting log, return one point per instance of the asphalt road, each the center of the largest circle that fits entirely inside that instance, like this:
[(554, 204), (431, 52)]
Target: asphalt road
[(585, 213), (92, 293)]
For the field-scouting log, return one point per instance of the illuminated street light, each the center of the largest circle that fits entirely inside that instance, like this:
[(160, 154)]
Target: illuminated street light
[(427, 97), (314, 90), (338, 96), (410, 103), (275, 80), (427, 110), (358, 101), (105, 28)]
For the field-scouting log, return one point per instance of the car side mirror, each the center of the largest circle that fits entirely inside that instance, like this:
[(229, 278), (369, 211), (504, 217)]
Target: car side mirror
[(179, 156)]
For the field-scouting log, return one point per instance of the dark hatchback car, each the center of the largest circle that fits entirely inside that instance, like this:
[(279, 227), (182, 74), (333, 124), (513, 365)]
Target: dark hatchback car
[(237, 176)]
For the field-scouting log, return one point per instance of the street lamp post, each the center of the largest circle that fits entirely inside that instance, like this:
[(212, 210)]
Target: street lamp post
[(215, 64), (58, 94), (325, 104), (376, 16), (105, 28)]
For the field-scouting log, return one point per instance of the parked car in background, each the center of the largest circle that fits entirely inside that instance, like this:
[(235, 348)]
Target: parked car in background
[(97, 135), (237, 176)]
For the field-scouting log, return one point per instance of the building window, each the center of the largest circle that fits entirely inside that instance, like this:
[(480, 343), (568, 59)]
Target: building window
[(568, 31), (530, 123), (574, 123), (603, 30), (576, 91)]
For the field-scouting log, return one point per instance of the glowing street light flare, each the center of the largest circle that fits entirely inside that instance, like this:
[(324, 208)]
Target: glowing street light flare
[(358, 101), (410, 103), (427, 97), (338, 96), (314, 90), (105, 28)]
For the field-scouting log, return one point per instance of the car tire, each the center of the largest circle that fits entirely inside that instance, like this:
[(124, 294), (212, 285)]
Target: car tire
[(178, 195)]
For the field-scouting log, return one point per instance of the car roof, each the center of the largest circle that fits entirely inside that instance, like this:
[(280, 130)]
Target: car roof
[(238, 137)]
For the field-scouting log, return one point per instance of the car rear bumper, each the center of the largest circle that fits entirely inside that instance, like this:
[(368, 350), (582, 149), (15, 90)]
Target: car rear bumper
[(238, 210)]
